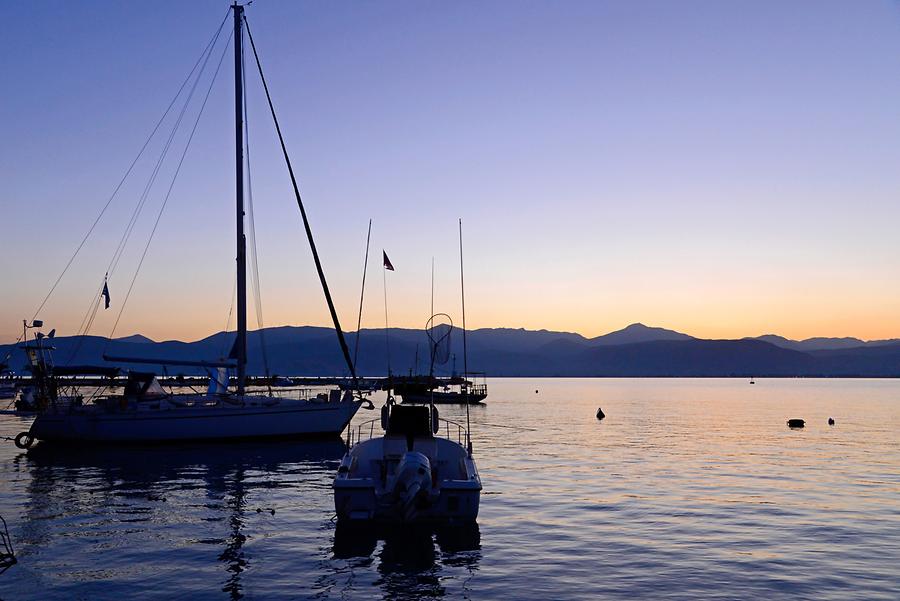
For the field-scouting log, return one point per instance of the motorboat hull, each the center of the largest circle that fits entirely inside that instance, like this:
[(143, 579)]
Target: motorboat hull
[(371, 484), (176, 424), (358, 502)]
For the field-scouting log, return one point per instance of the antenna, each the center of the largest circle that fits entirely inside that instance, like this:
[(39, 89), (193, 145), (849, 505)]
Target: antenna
[(362, 291), (438, 330), (462, 288)]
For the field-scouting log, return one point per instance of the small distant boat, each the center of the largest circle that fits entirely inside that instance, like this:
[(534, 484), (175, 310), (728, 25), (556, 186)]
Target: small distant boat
[(455, 390)]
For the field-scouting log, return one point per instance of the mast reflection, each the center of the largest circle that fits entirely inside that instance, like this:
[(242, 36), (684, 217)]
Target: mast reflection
[(73, 479)]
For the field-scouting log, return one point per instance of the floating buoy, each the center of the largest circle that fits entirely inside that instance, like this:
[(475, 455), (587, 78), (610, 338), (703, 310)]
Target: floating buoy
[(796, 423), (535, 392), (24, 440), (600, 414), (830, 421)]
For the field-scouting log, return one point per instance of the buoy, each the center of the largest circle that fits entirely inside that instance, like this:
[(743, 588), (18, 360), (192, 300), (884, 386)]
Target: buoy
[(535, 392), (600, 414), (24, 440), (830, 421), (796, 423)]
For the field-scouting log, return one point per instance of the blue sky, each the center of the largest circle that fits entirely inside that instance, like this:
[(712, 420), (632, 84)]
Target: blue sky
[(721, 168)]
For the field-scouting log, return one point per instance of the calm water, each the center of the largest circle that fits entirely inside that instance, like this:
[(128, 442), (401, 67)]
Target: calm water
[(688, 489)]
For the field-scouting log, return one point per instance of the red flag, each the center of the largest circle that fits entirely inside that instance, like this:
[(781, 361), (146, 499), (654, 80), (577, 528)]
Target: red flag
[(387, 262)]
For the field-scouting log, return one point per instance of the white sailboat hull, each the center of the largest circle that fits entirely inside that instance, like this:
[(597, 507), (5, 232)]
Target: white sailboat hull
[(286, 420)]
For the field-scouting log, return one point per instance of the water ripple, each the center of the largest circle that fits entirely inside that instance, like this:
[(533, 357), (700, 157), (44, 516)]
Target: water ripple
[(688, 489)]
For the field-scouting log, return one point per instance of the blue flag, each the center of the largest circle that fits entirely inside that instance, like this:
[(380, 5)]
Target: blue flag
[(105, 295)]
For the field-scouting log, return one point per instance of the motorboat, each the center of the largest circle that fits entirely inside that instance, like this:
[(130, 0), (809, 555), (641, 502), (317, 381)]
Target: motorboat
[(409, 474)]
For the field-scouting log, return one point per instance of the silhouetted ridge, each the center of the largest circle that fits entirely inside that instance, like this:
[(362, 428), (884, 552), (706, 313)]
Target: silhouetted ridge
[(637, 351), (638, 332)]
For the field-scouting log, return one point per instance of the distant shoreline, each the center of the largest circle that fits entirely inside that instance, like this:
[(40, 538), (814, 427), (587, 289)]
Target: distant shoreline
[(637, 351)]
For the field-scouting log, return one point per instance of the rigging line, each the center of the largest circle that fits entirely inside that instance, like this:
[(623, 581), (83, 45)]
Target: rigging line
[(142, 199), (124, 177), (94, 300), (362, 291), (88, 319), (93, 316), (254, 266), (169, 192), (225, 344), (206, 52), (120, 249), (309, 235)]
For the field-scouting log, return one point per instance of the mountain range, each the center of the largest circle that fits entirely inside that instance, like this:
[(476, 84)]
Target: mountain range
[(635, 351)]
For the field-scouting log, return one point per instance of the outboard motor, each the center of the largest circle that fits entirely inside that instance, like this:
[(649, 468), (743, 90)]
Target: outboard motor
[(413, 480)]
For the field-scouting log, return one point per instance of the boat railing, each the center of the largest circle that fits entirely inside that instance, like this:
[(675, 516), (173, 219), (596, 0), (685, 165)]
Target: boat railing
[(360, 432), (477, 390), (451, 427), (366, 430)]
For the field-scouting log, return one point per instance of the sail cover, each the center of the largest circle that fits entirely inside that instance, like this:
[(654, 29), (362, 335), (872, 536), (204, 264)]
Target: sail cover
[(218, 382)]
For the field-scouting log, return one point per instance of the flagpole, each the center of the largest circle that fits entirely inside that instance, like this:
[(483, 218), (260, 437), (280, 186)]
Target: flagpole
[(387, 340)]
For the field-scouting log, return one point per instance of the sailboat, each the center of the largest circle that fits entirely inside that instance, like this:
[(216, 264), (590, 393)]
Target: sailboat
[(411, 473), (144, 412)]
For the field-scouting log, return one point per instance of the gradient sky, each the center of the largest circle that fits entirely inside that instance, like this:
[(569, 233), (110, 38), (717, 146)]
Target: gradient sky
[(721, 168)]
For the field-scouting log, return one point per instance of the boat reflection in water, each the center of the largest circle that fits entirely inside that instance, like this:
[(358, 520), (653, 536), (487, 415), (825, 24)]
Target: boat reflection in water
[(411, 557), (144, 494)]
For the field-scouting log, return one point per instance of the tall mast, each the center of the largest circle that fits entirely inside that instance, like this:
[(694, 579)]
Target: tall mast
[(241, 342)]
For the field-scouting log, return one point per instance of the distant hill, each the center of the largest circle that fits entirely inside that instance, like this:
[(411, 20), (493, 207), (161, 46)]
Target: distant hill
[(635, 351), (638, 332), (134, 338), (822, 344)]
